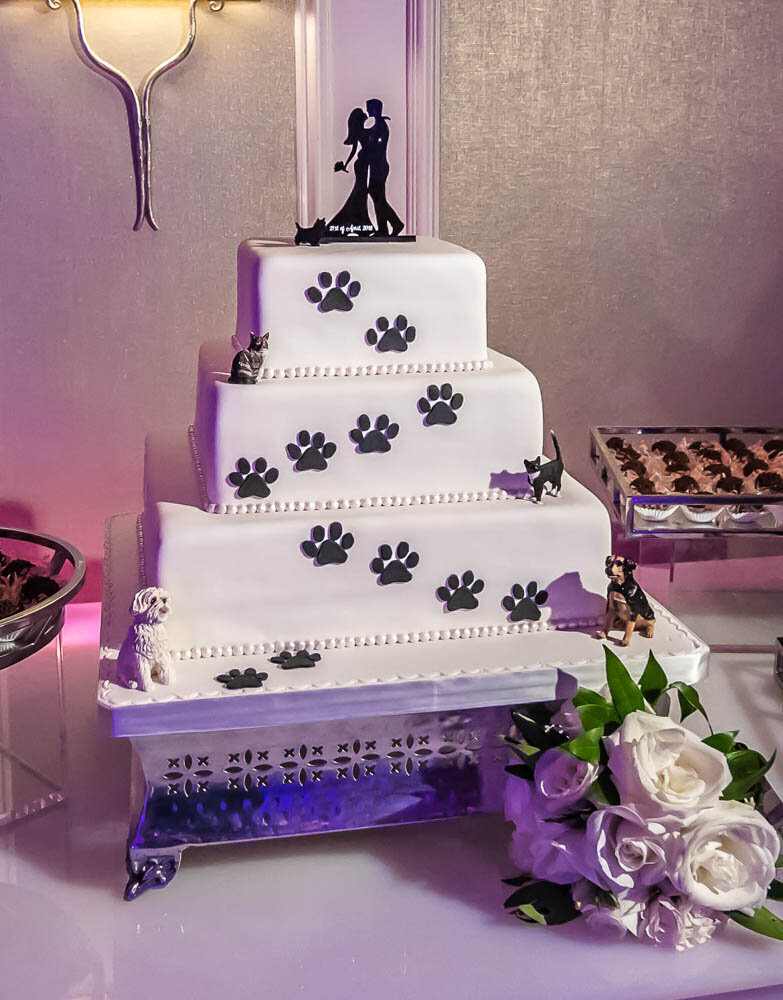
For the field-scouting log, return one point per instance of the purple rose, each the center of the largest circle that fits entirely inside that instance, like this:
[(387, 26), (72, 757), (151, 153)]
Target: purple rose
[(561, 781)]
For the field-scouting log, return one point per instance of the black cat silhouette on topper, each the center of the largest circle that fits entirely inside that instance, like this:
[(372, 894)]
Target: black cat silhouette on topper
[(248, 362), (368, 138), (542, 474)]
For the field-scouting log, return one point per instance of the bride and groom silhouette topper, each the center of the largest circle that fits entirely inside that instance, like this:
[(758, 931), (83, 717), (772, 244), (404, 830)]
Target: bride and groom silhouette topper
[(368, 138)]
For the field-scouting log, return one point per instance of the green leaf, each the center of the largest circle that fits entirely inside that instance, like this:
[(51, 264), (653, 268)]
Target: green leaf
[(762, 922), (584, 696), (538, 735), (522, 749), (603, 788), (653, 681), (551, 901), (745, 779), (689, 701), (596, 716), (775, 890), (517, 880), (626, 694), (530, 914), (722, 742), (586, 746)]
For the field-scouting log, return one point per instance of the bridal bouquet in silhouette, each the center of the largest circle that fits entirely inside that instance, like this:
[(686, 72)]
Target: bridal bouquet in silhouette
[(628, 820)]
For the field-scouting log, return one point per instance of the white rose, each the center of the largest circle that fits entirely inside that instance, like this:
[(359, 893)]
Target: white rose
[(727, 858), (625, 849), (561, 781), (677, 922), (518, 801), (548, 850), (609, 918), (663, 769)]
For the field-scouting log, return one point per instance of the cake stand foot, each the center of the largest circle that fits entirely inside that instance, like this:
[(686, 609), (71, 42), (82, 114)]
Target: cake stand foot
[(148, 871)]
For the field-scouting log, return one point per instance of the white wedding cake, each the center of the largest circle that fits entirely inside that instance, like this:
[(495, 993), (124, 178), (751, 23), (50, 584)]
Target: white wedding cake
[(369, 488)]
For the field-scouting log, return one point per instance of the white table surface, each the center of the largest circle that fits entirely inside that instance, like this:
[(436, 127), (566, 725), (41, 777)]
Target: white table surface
[(383, 914)]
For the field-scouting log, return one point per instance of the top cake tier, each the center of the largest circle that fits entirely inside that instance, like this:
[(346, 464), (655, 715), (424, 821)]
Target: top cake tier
[(354, 305)]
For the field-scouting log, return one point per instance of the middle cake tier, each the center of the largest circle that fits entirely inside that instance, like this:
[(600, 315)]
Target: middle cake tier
[(324, 438), (420, 571)]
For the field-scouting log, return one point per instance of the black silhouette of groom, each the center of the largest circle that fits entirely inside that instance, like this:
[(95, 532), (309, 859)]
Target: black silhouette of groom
[(377, 141)]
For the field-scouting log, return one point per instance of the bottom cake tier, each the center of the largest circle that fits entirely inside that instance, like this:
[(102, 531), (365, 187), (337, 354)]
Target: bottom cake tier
[(247, 583)]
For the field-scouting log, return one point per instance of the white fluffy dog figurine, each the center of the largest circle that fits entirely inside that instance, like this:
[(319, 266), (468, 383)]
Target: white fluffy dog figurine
[(144, 654)]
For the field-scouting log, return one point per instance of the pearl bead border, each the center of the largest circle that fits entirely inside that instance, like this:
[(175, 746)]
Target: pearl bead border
[(381, 639), (395, 368), (343, 503)]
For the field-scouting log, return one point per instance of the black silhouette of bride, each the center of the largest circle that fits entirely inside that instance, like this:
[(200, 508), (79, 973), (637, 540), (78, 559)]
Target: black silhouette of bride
[(368, 137)]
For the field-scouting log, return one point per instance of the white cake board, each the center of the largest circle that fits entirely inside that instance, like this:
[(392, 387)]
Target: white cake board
[(361, 682)]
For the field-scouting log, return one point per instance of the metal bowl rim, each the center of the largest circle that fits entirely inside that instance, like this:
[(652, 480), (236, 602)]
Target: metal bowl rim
[(66, 593)]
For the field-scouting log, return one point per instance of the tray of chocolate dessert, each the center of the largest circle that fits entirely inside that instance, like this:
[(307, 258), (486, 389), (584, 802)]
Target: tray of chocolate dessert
[(692, 481), (39, 575)]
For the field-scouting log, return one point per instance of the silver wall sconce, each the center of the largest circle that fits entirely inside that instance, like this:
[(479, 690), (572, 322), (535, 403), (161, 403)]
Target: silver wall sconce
[(137, 102)]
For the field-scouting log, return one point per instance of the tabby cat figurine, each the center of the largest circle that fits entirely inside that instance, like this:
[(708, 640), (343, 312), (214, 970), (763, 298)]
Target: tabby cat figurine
[(549, 474), (247, 363)]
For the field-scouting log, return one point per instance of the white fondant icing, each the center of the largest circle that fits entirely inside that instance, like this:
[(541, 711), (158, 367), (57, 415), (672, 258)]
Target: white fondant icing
[(499, 423), (500, 670), (440, 288), (244, 579)]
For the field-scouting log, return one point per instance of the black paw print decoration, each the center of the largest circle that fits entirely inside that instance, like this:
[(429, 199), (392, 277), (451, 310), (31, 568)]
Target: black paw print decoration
[(391, 338), (236, 679), (460, 595), (377, 439), (328, 550), (295, 661), (440, 404), (330, 295), (255, 483), (397, 569), (525, 605), (311, 452)]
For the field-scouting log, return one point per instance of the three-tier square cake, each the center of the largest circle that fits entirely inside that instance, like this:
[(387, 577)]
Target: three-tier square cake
[(350, 546)]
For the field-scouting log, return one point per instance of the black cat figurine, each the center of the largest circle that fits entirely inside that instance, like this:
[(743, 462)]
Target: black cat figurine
[(548, 473), (312, 236), (247, 363)]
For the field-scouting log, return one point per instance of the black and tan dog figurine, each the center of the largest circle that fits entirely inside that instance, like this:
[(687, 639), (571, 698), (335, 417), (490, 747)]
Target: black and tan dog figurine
[(627, 607)]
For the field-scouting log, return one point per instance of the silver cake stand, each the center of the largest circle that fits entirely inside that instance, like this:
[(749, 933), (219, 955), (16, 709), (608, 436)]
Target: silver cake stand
[(21, 636)]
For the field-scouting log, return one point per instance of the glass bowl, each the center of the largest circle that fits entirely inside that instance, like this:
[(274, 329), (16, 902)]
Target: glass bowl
[(25, 632)]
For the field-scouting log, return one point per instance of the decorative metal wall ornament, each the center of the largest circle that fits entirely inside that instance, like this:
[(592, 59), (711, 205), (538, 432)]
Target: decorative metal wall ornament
[(137, 102)]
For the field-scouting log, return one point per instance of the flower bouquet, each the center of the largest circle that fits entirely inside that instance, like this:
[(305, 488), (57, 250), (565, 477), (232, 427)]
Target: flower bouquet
[(629, 820)]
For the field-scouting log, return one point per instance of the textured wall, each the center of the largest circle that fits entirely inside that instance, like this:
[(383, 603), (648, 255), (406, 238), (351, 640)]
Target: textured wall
[(619, 164), (99, 326)]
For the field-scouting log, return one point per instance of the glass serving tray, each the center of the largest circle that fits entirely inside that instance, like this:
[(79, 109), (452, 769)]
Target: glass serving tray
[(698, 512)]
